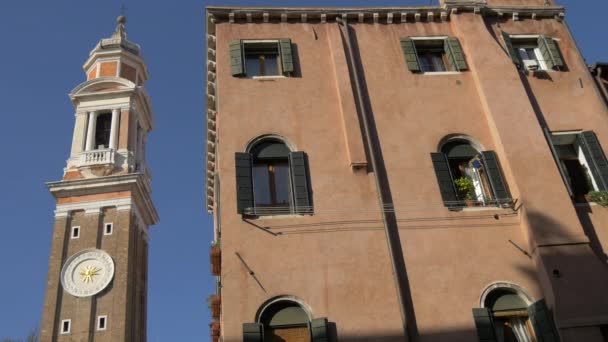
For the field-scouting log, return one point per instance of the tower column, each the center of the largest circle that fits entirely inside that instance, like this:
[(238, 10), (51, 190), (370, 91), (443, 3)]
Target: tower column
[(91, 131), (114, 127)]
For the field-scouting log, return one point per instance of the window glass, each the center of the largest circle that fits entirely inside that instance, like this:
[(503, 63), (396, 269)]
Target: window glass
[(261, 59), (431, 61), (281, 181), (261, 185)]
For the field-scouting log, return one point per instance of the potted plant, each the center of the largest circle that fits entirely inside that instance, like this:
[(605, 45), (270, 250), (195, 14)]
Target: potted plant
[(213, 302), (215, 331), (215, 257), (465, 190), (599, 197)]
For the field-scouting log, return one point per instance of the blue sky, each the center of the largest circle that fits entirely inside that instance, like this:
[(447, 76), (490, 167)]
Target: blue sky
[(45, 44)]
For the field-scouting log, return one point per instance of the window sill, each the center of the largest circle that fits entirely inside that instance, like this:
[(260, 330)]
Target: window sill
[(268, 78), (582, 204), (276, 217), (488, 208), (438, 73)]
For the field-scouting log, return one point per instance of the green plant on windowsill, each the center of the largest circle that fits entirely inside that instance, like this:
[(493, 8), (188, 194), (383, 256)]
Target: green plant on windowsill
[(599, 197), (464, 188)]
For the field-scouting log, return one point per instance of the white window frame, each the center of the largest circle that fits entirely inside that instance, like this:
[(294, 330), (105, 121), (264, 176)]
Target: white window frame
[(64, 332), (105, 319), (77, 235), (539, 56), (105, 228), (279, 59)]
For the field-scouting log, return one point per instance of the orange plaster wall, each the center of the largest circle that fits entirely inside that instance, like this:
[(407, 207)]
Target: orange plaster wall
[(97, 197), (71, 175), (128, 72), (108, 69), (336, 260), (92, 73)]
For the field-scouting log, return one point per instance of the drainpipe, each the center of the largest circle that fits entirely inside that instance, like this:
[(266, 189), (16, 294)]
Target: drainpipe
[(372, 156)]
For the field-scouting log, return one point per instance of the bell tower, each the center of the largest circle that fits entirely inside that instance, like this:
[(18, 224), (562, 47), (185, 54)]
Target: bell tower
[(97, 280)]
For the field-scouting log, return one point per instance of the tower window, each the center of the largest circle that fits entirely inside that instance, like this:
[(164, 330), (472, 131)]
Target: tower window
[(108, 229), (75, 232), (102, 322), (102, 131), (66, 324)]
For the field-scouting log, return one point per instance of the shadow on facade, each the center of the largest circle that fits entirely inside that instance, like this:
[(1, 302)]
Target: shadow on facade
[(584, 212)]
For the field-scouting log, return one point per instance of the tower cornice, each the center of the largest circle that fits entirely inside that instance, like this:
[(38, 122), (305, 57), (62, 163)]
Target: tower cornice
[(136, 184)]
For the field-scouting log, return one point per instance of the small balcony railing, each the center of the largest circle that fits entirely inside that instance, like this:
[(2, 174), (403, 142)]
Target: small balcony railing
[(97, 157)]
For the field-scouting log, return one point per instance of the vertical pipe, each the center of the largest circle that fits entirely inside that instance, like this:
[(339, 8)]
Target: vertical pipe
[(372, 156)]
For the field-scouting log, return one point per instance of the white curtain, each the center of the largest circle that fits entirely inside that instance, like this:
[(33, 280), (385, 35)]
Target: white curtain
[(473, 174), (520, 330)]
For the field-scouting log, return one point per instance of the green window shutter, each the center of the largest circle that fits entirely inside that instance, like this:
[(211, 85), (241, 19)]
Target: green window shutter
[(550, 52), (542, 321), (444, 178), (595, 158), (484, 325), (244, 182), (455, 54), (236, 58), (497, 182), (299, 181), (409, 51), (510, 50), (286, 56), (318, 330), (253, 332)]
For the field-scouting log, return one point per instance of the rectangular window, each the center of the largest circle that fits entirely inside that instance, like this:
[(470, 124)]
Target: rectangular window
[(65, 326), (262, 58), (433, 54), (108, 229), (574, 163), (102, 131), (529, 54), (534, 52), (75, 232), (102, 322)]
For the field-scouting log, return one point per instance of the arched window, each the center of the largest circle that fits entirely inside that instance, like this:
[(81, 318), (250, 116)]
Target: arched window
[(285, 320), (271, 183), (271, 179), (508, 316), (466, 174)]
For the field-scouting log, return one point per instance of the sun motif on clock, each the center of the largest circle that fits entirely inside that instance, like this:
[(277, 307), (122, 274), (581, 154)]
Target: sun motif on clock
[(87, 273)]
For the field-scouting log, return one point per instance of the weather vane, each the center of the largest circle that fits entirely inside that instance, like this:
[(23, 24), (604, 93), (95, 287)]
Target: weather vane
[(123, 9)]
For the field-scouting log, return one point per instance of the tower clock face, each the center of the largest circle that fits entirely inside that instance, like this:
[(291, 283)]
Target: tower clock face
[(87, 273)]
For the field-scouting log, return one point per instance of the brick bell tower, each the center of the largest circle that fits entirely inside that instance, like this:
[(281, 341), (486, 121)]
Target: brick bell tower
[(97, 280)]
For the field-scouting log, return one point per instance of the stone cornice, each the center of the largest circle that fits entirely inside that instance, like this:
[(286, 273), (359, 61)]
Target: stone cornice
[(135, 183)]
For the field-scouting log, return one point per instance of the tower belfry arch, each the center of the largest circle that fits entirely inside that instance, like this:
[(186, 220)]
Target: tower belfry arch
[(97, 278)]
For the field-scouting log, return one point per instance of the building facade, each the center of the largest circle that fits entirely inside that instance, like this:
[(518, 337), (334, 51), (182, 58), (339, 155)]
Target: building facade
[(411, 173), (97, 281)]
